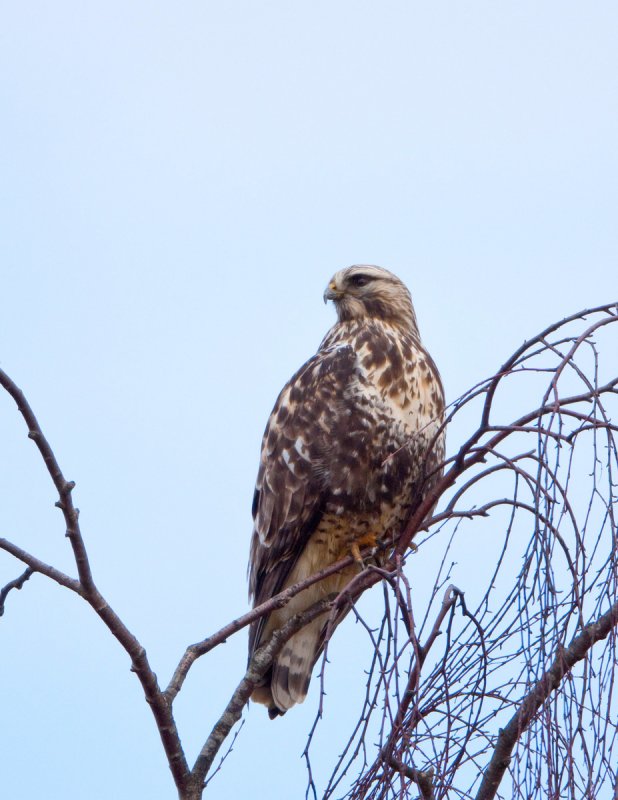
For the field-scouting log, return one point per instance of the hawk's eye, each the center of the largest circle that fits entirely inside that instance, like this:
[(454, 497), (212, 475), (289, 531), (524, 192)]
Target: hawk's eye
[(360, 280)]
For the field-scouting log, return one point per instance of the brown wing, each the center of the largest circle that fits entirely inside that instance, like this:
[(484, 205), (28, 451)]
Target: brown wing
[(293, 477)]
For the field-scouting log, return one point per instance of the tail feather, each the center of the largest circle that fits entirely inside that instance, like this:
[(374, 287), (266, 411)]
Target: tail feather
[(292, 669)]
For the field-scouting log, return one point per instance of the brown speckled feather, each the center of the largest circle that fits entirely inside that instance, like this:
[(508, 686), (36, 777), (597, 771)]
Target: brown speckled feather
[(293, 478), (345, 454)]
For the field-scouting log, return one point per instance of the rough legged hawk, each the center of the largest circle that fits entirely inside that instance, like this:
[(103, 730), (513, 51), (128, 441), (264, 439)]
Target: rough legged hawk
[(345, 457)]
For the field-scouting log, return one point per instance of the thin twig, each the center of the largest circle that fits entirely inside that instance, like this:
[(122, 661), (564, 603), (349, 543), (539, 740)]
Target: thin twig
[(564, 661), (17, 583)]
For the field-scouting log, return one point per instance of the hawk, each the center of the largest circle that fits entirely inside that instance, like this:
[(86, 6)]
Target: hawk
[(354, 441)]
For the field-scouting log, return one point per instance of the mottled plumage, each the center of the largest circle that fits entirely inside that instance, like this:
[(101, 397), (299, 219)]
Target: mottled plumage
[(345, 457)]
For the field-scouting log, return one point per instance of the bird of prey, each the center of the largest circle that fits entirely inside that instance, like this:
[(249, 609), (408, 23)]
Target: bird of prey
[(352, 445)]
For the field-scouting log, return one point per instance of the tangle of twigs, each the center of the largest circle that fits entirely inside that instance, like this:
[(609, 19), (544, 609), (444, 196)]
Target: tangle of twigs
[(500, 687)]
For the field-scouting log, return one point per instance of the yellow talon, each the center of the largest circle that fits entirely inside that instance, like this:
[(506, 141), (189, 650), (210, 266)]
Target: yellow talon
[(355, 551), (368, 540)]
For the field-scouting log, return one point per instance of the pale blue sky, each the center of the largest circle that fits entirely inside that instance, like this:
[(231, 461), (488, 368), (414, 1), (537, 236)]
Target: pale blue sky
[(178, 181)]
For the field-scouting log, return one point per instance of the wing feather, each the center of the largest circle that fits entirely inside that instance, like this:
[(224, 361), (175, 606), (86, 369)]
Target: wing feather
[(292, 482)]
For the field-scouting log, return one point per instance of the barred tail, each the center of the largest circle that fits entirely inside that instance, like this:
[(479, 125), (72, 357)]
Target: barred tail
[(292, 669)]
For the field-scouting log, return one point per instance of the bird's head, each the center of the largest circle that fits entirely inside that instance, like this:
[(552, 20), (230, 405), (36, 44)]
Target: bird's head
[(364, 291)]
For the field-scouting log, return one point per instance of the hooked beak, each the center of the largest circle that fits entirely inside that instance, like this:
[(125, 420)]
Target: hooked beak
[(331, 292)]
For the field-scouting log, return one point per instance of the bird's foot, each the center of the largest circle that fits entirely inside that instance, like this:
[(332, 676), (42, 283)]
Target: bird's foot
[(368, 540)]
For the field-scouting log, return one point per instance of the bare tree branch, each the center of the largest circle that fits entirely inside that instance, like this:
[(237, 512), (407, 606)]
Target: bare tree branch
[(532, 702), (194, 651), (64, 487), (259, 665), (17, 583), (546, 481), (87, 589), (424, 780), (36, 565)]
